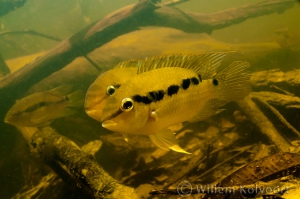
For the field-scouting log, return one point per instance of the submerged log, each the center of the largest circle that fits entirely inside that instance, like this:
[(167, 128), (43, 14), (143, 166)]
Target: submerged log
[(256, 116), (62, 154)]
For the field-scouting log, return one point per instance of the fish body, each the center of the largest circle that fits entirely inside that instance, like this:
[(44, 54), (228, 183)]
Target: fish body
[(168, 109), (41, 108), (106, 84), (157, 98)]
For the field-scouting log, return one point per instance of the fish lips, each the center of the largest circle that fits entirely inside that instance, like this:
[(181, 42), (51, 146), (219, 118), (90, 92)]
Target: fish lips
[(109, 124)]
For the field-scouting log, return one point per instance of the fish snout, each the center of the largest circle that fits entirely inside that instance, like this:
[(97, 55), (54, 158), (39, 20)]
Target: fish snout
[(109, 124)]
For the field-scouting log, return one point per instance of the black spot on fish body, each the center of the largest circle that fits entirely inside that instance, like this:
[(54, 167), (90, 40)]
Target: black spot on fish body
[(32, 108), (117, 85), (157, 95), (215, 82), (142, 99), (195, 81), (137, 98), (186, 83), (173, 89), (42, 104), (67, 98)]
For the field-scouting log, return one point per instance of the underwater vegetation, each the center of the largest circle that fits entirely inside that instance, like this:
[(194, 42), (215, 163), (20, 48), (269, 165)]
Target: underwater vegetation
[(152, 69)]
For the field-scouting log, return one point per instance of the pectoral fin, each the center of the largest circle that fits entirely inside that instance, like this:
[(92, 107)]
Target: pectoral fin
[(39, 120), (125, 137), (166, 140), (209, 109)]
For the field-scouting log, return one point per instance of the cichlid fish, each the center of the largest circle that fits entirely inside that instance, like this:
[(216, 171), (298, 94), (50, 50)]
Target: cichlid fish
[(41, 108), (108, 82), (105, 86), (173, 89)]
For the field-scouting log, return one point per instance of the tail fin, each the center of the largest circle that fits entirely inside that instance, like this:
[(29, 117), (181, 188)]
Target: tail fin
[(76, 99), (233, 82)]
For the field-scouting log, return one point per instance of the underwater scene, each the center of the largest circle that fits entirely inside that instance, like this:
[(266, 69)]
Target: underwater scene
[(151, 99)]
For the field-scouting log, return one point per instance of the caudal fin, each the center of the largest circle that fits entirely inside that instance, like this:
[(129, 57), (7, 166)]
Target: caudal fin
[(233, 82), (76, 99)]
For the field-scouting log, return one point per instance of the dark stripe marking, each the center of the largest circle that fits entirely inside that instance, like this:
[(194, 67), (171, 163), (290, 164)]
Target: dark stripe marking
[(195, 81), (156, 95), (40, 104), (143, 99), (186, 83), (113, 115), (117, 85), (200, 78), (173, 89), (215, 82)]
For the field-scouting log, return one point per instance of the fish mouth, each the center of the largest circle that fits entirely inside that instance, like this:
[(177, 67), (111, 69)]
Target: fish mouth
[(108, 124), (6, 121)]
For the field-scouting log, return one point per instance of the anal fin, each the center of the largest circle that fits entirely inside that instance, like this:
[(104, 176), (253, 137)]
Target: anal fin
[(166, 140)]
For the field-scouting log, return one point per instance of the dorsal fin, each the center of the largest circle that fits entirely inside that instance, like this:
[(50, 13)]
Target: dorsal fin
[(202, 64), (132, 63), (62, 90)]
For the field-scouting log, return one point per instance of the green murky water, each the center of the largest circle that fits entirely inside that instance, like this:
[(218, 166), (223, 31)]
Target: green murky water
[(267, 39)]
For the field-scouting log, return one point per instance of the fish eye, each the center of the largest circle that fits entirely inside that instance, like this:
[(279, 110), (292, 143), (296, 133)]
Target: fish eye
[(110, 90), (126, 104)]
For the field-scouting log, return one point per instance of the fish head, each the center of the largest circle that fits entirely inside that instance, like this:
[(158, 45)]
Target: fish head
[(16, 117), (123, 115), (104, 87)]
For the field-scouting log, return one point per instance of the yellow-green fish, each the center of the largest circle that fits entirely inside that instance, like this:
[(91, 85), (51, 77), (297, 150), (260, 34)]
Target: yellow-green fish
[(106, 84), (41, 108), (173, 89)]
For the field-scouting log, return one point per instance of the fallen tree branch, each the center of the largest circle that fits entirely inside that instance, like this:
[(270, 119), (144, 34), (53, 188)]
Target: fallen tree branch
[(59, 151), (31, 32), (276, 99), (253, 112), (277, 114)]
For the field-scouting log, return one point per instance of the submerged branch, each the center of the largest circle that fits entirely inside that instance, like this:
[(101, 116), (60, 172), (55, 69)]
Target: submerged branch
[(58, 151), (174, 2), (277, 114), (256, 116), (32, 32)]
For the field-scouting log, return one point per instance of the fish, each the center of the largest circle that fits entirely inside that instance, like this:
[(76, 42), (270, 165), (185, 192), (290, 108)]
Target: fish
[(172, 89), (105, 86), (41, 108)]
